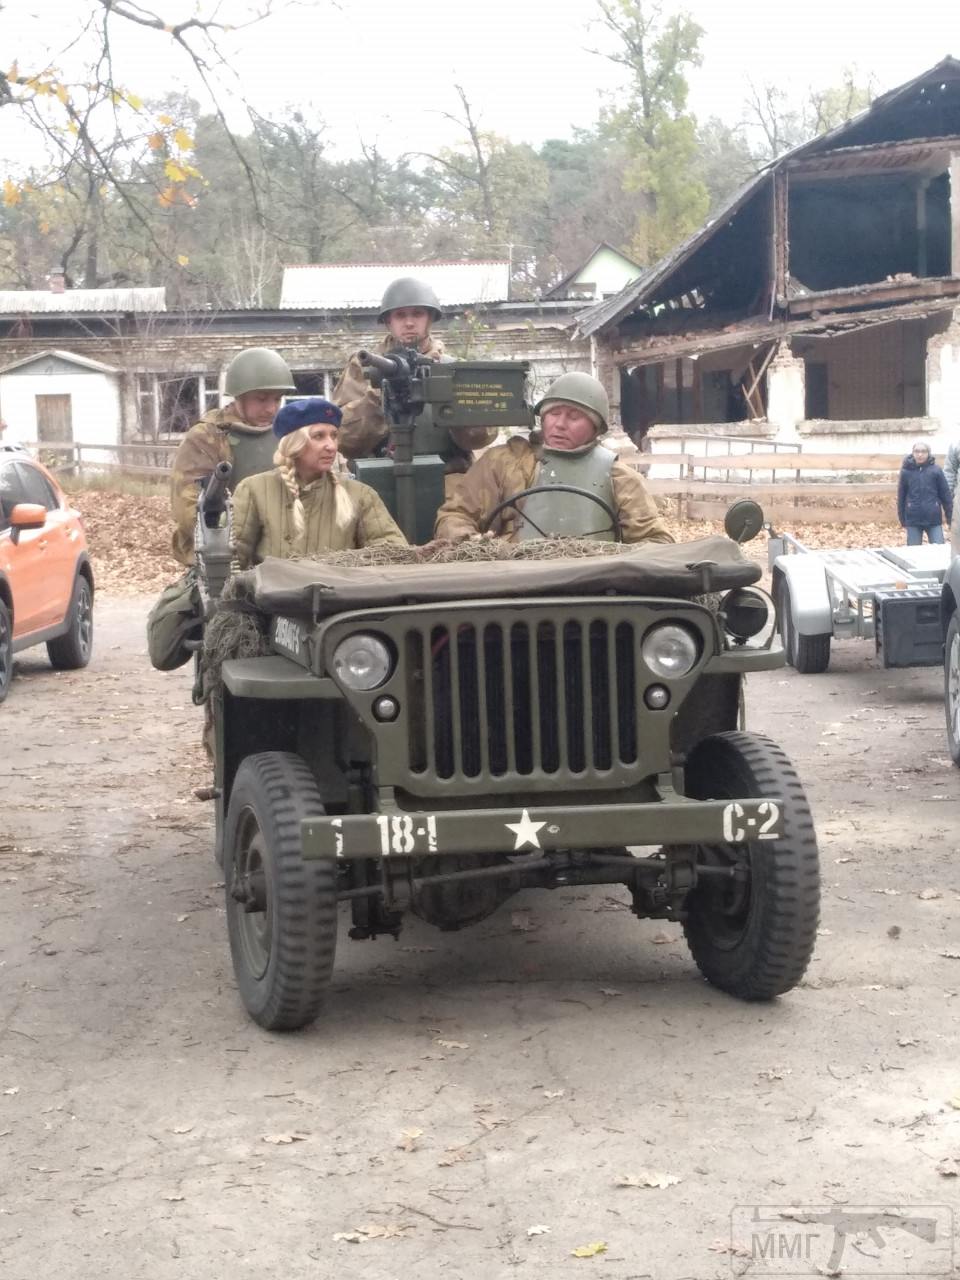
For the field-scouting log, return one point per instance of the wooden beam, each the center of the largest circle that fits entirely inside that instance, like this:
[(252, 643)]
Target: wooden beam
[(780, 237), (793, 461), (867, 295), (655, 349), (787, 513), (858, 159)]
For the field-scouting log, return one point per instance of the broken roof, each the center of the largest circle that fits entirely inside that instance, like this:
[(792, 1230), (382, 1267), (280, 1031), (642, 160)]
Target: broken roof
[(925, 108)]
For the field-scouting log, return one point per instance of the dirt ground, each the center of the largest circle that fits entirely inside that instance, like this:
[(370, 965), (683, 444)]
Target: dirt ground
[(469, 1102)]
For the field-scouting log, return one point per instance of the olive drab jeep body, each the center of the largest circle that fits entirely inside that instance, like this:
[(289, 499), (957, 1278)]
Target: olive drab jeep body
[(433, 738)]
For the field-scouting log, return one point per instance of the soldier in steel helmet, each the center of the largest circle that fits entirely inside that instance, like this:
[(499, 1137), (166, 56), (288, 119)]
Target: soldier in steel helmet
[(408, 309), (239, 433), (573, 415)]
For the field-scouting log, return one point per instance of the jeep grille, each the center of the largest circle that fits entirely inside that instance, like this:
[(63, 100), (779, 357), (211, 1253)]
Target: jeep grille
[(504, 700)]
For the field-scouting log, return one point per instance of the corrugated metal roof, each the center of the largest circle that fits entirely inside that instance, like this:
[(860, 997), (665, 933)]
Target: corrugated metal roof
[(39, 301), (362, 284)]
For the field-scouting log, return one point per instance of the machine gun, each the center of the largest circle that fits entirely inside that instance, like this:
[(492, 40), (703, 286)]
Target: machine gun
[(213, 536), (423, 400)]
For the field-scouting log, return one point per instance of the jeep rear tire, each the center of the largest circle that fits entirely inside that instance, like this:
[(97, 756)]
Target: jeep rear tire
[(72, 650), (810, 655), (753, 936), (281, 909)]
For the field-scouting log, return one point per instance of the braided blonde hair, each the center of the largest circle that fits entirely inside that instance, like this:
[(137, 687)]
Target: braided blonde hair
[(288, 450)]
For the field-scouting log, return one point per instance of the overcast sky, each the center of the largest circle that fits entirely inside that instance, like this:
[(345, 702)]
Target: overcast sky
[(384, 71)]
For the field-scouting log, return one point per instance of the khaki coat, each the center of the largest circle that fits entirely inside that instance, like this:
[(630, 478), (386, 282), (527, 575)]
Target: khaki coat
[(513, 467), (203, 446), (263, 521)]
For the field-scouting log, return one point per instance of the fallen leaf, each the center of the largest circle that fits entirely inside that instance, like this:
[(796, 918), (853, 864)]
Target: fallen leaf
[(928, 895), (451, 1044), (520, 920), (589, 1250), (408, 1139), (417, 951), (948, 1168), (284, 1139), (731, 1247), (174, 1198), (11, 1092), (661, 939), (889, 893), (452, 1156), (183, 1128), (538, 1230), (950, 955), (955, 1101), (906, 1041), (774, 1073), (610, 991), (554, 1093), (180, 919), (374, 1231), (645, 1178)]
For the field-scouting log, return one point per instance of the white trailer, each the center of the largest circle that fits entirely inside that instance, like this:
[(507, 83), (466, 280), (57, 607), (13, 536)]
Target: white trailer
[(889, 594)]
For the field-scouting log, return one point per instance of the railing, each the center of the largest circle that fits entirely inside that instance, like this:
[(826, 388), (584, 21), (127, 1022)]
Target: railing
[(73, 458), (706, 497)]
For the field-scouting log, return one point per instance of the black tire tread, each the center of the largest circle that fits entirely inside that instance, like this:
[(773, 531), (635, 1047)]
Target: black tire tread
[(66, 652), (775, 955), (809, 655), (305, 920), (953, 744), (6, 650)]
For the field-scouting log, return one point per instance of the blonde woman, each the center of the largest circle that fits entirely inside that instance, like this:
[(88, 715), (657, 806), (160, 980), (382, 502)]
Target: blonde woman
[(303, 506)]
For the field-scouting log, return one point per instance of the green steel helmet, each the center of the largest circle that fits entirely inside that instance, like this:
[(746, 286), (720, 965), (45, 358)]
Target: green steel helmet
[(408, 292), (581, 389), (258, 369)]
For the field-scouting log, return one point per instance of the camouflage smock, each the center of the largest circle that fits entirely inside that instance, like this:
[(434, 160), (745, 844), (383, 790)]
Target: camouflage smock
[(204, 445), (364, 428), (263, 519), (513, 467)]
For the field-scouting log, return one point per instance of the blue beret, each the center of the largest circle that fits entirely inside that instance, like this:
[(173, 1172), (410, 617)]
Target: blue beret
[(304, 413)]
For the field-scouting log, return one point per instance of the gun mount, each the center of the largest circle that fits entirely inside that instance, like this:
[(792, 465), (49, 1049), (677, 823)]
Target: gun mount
[(423, 401)]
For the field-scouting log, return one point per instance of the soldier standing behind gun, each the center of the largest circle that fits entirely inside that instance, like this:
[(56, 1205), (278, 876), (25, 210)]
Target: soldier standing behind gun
[(408, 309), (239, 433)]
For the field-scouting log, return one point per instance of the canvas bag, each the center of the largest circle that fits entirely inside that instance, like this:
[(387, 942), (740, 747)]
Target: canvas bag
[(175, 621)]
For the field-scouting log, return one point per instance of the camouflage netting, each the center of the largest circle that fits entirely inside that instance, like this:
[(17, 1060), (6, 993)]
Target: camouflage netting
[(238, 629)]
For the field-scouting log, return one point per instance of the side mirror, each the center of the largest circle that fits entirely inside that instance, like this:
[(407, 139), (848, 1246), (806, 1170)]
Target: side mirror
[(743, 520), (26, 515)]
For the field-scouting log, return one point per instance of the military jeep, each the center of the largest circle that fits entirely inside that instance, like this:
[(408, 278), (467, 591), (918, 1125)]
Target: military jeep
[(433, 738)]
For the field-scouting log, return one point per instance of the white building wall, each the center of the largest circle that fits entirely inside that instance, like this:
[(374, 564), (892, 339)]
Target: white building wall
[(94, 404)]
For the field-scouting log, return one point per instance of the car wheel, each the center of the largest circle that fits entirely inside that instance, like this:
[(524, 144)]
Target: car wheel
[(752, 933), (810, 655), (73, 649), (281, 909), (6, 650), (951, 687)]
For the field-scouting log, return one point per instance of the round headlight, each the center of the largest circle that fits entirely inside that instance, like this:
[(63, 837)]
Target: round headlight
[(362, 662), (745, 612), (670, 651)]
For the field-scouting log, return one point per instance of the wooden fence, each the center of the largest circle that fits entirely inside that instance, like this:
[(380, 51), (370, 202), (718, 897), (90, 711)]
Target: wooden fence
[(704, 487), (708, 483)]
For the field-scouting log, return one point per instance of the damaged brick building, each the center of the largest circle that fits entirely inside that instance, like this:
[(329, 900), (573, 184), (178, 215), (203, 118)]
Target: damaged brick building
[(822, 303)]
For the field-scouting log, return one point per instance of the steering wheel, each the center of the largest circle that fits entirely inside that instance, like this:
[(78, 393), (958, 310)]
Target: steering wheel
[(613, 527)]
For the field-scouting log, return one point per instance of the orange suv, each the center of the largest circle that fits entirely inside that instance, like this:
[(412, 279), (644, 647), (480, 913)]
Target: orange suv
[(46, 582)]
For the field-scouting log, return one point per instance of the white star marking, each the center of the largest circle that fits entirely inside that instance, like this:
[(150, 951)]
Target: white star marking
[(526, 831)]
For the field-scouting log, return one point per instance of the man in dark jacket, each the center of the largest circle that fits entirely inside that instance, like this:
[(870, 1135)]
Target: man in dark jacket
[(924, 501)]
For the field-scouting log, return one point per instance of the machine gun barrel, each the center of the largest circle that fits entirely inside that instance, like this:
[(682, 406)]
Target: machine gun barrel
[(213, 499), (387, 366)]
